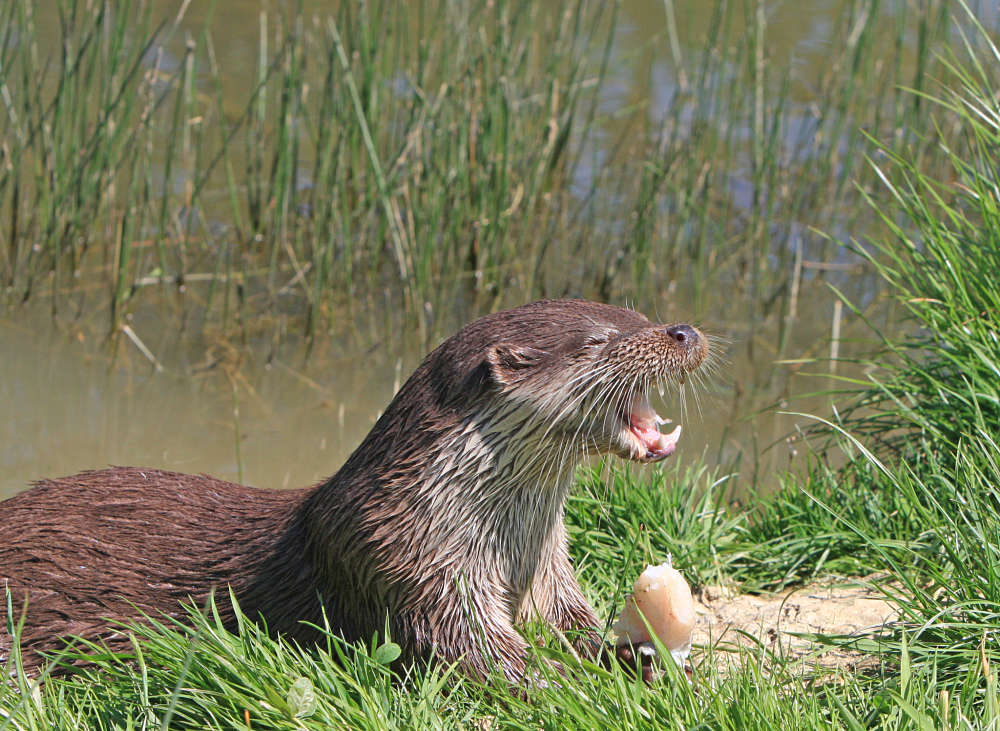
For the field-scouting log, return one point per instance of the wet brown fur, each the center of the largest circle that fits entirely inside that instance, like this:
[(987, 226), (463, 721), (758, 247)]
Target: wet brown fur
[(446, 521)]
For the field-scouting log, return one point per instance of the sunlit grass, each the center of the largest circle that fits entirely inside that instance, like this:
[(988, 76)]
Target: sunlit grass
[(934, 664), (204, 677)]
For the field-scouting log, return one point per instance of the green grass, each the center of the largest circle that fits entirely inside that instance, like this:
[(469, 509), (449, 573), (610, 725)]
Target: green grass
[(348, 687), (201, 676)]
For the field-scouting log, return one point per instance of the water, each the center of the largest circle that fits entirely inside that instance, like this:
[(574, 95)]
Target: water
[(69, 406), (71, 402), (273, 414)]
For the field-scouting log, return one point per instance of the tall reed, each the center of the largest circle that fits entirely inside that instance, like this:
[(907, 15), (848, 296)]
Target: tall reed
[(477, 162)]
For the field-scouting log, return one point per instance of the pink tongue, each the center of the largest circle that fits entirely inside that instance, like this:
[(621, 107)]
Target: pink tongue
[(649, 434), (647, 431)]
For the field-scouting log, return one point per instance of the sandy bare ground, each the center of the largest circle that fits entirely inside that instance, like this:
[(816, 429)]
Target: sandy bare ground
[(726, 620)]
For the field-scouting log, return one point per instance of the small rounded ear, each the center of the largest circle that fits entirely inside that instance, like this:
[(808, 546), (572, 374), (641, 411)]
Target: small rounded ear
[(507, 361)]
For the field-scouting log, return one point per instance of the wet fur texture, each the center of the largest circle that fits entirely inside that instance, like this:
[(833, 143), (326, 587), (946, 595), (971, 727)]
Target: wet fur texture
[(446, 522)]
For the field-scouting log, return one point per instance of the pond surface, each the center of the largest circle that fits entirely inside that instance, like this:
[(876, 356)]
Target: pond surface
[(282, 416), (71, 402)]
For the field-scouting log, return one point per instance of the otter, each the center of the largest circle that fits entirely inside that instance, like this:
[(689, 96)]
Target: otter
[(444, 526)]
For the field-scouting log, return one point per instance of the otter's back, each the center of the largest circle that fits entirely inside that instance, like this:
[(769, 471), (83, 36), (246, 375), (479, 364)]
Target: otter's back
[(98, 544)]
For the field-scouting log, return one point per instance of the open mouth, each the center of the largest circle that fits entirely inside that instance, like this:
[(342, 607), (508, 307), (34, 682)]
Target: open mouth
[(644, 425)]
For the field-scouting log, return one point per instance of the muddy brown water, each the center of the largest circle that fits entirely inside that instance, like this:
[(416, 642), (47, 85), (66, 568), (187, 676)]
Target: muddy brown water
[(72, 401), (68, 402)]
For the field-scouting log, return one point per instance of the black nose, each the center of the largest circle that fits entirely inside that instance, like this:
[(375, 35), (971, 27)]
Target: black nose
[(683, 334)]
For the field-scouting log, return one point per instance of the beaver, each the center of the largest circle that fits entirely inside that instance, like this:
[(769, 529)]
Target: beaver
[(445, 526)]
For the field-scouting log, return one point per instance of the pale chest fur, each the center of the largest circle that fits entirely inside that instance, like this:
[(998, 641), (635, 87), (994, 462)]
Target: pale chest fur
[(495, 513)]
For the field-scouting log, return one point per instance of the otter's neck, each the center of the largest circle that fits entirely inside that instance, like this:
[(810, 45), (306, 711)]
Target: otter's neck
[(480, 496)]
